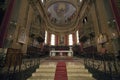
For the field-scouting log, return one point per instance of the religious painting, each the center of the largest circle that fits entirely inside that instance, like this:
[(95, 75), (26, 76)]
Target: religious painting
[(61, 40), (61, 8), (61, 12), (22, 36)]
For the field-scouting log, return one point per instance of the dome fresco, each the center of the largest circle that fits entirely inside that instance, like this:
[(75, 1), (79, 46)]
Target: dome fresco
[(61, 13)]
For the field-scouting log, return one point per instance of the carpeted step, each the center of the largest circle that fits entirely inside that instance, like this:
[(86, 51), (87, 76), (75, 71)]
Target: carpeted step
[(61, 72)]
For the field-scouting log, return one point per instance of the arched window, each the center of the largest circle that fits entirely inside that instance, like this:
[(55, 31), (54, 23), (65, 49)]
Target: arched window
[(80, 0), (52, 39), (42, 1), (77, 36), (45, 37), (70, 39)]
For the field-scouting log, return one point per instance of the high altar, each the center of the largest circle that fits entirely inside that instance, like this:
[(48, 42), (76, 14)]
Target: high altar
[(66, 52)]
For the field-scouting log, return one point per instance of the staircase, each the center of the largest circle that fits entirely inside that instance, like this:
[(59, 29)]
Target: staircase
[(45, 71), (75, 71)]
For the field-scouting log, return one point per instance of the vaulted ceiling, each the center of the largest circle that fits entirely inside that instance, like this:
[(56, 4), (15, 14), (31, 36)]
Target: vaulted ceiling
[(61, 16)]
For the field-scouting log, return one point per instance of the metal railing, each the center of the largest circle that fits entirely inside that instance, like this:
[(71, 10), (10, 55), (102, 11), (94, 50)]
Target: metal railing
[(106, 65), (20, 71)]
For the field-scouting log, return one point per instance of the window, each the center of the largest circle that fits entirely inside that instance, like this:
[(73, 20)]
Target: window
[(45, 37), (42, 1), (52, 39), (80, 0), (70, 39), (85, 20), (77, 35)]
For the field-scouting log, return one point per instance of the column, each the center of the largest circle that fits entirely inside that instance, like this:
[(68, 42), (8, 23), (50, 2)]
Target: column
[(116, 13), (56, 40), (21, 23), (49, 38), (81, 46), (5, 22), (27, 29), (66, 40), (103, 19), (74, 38)]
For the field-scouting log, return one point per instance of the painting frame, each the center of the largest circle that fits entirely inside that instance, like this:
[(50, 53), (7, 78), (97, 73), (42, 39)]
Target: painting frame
[(22, 36)]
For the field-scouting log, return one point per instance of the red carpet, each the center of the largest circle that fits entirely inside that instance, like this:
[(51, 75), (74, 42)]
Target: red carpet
[(61, 72)]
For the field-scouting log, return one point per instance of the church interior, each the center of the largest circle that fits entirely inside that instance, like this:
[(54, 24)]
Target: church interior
[(59, 39)]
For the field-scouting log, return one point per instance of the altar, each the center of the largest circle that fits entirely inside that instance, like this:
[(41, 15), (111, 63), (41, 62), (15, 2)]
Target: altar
[(68, 53)]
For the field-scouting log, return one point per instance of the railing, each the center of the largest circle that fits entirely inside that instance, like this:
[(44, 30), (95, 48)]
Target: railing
[(2, 59), (103, 67), (20, 71)]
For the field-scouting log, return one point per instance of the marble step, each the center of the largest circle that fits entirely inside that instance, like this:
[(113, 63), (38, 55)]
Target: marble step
[(79, 75), (77, 70), (75, 66), (73, 63), (43, 74), (41, 78), (81, 78), (46, 70)]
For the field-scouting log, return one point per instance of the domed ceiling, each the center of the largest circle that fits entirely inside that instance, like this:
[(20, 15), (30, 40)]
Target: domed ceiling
[(61, 13)]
